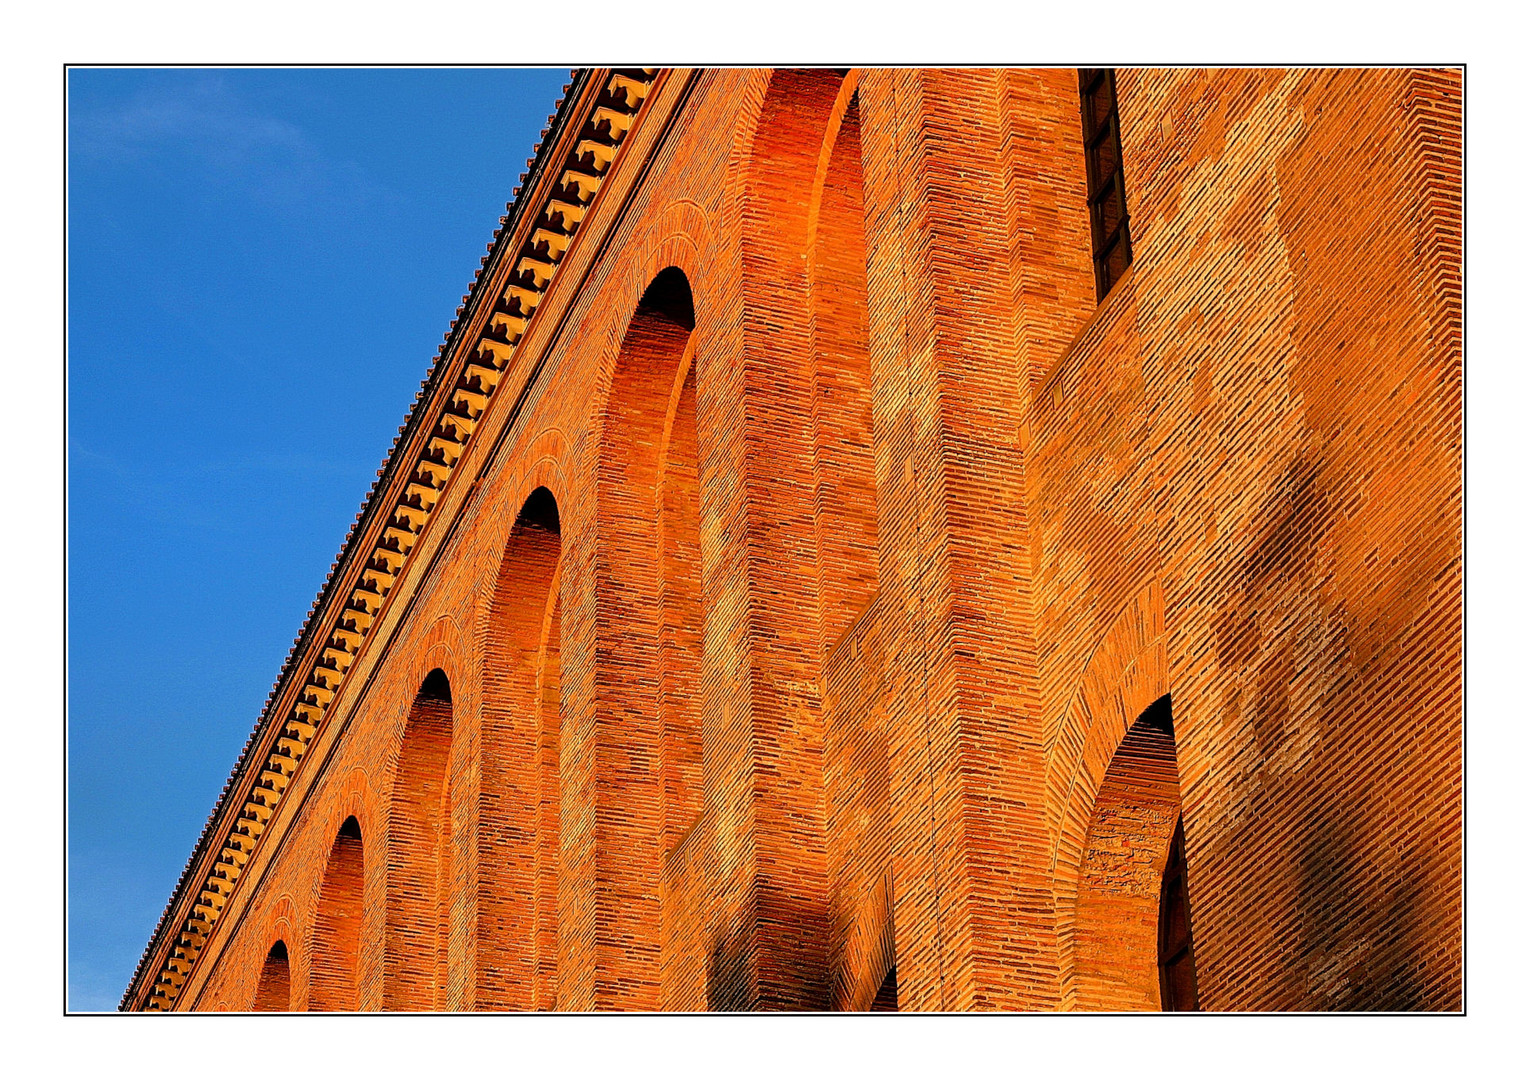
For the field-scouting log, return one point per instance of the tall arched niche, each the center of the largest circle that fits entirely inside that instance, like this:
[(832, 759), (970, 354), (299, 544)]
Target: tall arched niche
[(273, 992), (419, 855), (519, 840), (806, 319), (337, 925), (650, 616)]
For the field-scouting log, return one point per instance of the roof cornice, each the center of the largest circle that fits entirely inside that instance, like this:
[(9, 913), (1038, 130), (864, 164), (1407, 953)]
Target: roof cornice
[(575, 154)]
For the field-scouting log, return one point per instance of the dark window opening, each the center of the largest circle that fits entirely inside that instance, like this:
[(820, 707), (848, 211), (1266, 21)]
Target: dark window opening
[(1176, 954), (1107, 190)]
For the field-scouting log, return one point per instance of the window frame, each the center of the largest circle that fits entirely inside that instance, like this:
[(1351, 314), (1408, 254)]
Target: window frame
[(1101, 133)]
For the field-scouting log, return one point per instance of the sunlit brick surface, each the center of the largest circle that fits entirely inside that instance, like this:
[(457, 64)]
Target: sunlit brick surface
[(811, 551)]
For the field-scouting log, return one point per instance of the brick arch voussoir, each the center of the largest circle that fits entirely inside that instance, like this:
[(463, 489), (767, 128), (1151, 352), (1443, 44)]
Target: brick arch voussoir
[(752, 131), (779, 175), (548, 473), (848, 88), (676, 239), (234, 984), (281, 923), (1126, 673), (549, 452), (792, 135), (355, 797), (438, 647), (550, 458)]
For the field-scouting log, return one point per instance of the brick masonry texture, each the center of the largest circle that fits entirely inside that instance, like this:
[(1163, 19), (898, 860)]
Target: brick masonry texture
[(837, 605)]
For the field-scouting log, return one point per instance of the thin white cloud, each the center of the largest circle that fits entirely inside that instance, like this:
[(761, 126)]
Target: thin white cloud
[(201, 122), (202, 115)]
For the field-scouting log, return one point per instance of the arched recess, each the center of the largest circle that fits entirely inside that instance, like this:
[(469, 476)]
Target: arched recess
[(1132, 931), (337, 927), (805, 272), (649, 633), (519, 819), (844, 463), (419, 829), (1126, 674), (273, 993), (804, 255)]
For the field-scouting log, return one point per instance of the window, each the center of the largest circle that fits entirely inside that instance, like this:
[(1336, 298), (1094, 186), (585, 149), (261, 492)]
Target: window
[(1107, 190)]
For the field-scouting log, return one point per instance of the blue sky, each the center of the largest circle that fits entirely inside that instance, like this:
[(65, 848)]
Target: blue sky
[(261, 266)]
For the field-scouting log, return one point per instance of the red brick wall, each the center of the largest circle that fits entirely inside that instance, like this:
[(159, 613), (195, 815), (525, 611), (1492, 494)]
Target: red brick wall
[(1265, 420), (864, 569)]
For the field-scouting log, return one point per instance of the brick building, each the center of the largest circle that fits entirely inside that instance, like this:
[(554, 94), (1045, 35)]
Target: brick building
[(896, 539)]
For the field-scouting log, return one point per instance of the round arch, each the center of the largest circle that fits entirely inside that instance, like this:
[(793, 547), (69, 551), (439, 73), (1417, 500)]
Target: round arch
[(1114, 757), (520, 791), (416, 928), (1120, 901), (805, 319), (648, 614), (273, 991), (335, 952)]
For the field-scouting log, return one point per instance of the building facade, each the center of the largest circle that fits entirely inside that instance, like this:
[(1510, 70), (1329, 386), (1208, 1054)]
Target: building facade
[(896, 539)]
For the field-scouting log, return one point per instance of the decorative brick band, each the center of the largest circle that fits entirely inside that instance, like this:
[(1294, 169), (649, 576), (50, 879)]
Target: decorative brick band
[(500, 321)]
